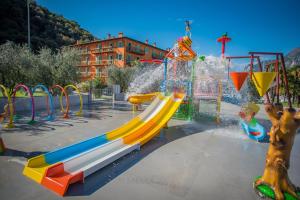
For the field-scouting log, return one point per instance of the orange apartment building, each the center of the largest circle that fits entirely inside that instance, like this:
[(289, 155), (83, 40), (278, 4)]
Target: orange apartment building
[(119, 51)]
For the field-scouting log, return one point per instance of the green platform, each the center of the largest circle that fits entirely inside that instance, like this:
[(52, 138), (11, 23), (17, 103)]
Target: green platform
[(265, 191)]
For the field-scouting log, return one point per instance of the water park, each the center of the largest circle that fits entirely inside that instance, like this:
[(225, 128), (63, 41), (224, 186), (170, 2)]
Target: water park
[(189, 129)]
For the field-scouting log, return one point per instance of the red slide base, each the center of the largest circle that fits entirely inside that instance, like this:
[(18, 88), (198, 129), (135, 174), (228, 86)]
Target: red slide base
[(58, 180)]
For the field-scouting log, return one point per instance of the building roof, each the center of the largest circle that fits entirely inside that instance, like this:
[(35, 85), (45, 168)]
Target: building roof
[(117, 38)]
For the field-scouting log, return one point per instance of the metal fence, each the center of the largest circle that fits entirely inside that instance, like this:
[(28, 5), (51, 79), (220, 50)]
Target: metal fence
[(105, 93)]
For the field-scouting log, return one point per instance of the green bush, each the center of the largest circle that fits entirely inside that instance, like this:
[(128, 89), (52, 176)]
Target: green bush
[(121, 76), (99, 83)]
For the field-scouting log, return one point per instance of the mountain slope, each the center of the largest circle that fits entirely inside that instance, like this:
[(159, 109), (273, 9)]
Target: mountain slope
[(293, 57), (47, 29)]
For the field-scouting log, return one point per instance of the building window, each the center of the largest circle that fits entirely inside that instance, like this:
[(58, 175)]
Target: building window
[(99, 46), (137, 58), (104, 71), (87, 59), (98, 71), (128, 58), (129, 45), (119, 56), (146, 50), (161, 54), (87, 70), (110, 57), (111, 45), (98, 59), (120, 44)]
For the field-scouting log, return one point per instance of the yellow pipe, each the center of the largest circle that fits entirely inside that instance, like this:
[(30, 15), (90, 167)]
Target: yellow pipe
[(79, 113), (219, 102), (11, 108), (142, 98)]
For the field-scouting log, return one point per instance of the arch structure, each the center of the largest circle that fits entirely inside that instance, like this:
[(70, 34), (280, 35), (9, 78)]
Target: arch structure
[(79, 113), (50, 116), (17, 87), (63, 92), (10, 124)]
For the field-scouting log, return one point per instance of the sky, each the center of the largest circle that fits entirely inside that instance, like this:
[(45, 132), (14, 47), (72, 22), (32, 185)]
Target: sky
[(253, 25)]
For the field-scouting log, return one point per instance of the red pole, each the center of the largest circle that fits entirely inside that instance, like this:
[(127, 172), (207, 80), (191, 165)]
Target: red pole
[(285, 80), (261, 69), (223, 48), (251, 66), (229, 62), (277, 79)]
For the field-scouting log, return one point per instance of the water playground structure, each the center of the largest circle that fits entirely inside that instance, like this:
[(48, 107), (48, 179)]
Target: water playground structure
[(251, 127), (11, 102), (223, 40), (179, 74), (274, 183), (250, 124), (184, 94), (58, 169), (137, 100), (79, 113), (5, 93), (263, 81), (63, 92)]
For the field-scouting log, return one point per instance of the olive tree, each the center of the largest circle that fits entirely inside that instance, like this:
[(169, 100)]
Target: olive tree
[(121, 76)]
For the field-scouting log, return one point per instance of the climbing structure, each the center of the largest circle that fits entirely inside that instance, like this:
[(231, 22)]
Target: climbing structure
[(207, 95), (178, 75), (10, 124)]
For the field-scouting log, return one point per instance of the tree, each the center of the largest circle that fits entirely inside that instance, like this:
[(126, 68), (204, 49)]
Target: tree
[(20, 65), (99, 83), (43, 67), (64, 71), (121, 76), (293, 75), (15, 65)]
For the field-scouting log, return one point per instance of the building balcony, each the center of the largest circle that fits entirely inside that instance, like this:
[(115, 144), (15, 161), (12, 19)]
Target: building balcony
[(157, 56), (84, 63), (103, 50), (131, 62), (85, 52), (85, 74), (103, 62), (135, 50)]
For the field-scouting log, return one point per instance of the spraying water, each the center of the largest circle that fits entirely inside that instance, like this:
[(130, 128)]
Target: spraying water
[(147, 79), (150, 77)]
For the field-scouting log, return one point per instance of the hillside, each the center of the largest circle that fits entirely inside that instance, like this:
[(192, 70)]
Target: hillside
[(47, 29), (293, 57)]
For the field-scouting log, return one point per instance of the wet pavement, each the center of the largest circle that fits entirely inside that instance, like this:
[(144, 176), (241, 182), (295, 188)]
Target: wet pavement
[(188, 160)]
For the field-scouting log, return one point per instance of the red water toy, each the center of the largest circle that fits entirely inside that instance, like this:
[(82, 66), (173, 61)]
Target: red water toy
[(223, 39)]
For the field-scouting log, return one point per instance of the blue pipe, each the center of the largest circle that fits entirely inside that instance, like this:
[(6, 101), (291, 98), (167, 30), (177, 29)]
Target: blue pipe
[(165, 76), (45, 89)]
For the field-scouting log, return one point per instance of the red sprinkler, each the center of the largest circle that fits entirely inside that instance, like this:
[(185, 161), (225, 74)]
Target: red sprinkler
[(224, 38)]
